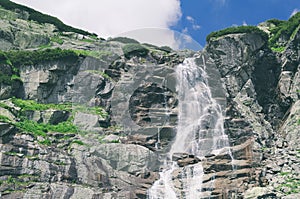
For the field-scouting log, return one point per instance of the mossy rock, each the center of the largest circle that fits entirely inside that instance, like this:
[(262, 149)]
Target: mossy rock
[(237, 30), (125, 40), (131, 50)]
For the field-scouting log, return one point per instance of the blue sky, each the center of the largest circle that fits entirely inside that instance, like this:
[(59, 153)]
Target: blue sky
[(211, 15), (197, 18)]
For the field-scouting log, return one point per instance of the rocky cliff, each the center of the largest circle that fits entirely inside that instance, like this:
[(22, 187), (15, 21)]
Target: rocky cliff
[(83, 117)]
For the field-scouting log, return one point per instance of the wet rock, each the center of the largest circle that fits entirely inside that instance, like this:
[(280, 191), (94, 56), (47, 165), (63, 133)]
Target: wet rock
[(184, 159)]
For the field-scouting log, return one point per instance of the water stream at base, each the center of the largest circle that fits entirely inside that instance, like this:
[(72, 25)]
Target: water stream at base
[(199, 132)]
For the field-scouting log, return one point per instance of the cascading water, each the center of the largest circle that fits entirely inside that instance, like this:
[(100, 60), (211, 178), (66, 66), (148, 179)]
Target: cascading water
[(199, 132)]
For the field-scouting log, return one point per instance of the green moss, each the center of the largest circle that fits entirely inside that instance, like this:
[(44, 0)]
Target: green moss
[(124, 40), (284, 173), (96, 54), (3, 58), (4, 119), (276, 22), (131, 50), (103, 74), (45, 46), (24, 58), (35, 106), (166, 49), (87, 40), (235, 30), (59, 162), (91, 110), (15, 78), (57, 39), (283, 28), (11, 153), (42, 18), (32, 105), (292, 184), (41, 129), (32, 127), (45, 142), (79, 142), (7, 15), (278, 49), (5, 79), (3, 105)]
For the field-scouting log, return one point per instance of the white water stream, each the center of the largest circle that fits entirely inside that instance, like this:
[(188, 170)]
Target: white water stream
[(199, 132)]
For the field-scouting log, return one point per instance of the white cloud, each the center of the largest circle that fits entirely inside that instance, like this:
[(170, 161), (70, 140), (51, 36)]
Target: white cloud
[(196, 27), (190, 19), (193, 22), (294, 12), (111, 17), (156, 36), (245, 23), (185, 30)]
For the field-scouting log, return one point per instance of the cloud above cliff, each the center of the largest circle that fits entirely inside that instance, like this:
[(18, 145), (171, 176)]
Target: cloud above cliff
[(294, 12), (112, 17)]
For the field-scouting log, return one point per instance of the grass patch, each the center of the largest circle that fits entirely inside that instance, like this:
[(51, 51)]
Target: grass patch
[(4, 119), (15, 78), (278, 49), (79, 142), (103, 74), (42, 47), (24, 58), (124, 40), (57, 39), (235, 30), (5, 79), (87, 40), (32, 105), (46, 142), (90, 53), (283, 28), (91, 110), (41, 129), (284, 173)]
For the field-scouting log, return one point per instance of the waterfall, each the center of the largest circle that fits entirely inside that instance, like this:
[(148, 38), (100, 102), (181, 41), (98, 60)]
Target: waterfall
[(199, 132)]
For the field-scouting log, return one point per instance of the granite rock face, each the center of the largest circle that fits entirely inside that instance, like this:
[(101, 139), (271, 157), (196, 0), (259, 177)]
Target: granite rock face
[(121, 114)]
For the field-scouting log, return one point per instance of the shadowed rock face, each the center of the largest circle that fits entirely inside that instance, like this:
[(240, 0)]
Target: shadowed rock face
[(119, 155)]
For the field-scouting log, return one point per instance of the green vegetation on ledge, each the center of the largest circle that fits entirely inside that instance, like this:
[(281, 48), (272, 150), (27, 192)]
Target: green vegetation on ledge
[(34, 106), (235, 30), (23, 58), (41, 129), (42, 18), (8, 74), (11, 61), (124, 40), (283, 32), (283, 29)]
